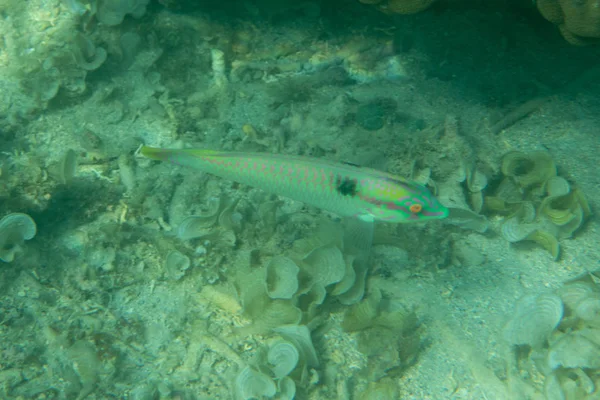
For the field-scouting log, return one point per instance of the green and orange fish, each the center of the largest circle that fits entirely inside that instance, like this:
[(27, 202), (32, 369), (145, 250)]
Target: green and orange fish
[(344, 189)]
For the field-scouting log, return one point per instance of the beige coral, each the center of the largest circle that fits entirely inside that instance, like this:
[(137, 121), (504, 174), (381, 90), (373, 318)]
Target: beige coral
[(578, 20), (400, 6)]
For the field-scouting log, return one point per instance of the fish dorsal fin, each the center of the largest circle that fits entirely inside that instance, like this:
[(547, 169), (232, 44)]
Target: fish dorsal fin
[(351, 164)]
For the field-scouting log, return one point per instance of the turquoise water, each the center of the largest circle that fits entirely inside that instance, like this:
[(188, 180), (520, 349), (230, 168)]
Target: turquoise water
[(127, 278)]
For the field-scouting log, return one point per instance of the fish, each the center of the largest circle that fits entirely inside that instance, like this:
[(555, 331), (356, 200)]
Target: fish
[(345, 189)]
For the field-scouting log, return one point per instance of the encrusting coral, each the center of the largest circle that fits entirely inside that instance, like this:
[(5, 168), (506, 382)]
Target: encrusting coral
[(578, 20)]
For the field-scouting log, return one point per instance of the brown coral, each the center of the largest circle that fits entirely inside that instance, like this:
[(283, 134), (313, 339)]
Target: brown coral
[(578, 20), (400, 6)]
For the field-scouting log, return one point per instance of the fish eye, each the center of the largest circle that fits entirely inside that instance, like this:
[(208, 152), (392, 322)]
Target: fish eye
[(415, 208)]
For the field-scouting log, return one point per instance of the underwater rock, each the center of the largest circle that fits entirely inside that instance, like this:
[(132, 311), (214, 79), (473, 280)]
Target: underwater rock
[(112, 12), (534, 319), (382, 390), (15, 229), (372, 115)]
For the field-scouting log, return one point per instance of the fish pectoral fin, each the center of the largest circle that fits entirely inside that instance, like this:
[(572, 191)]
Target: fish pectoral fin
[(366, 217), (358, 236)]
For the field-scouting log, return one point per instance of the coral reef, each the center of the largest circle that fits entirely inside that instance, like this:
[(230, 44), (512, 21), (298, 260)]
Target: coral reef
[(534, 203), (537, 204)]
